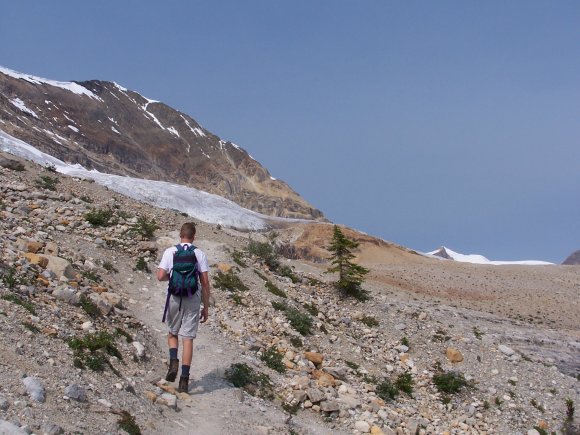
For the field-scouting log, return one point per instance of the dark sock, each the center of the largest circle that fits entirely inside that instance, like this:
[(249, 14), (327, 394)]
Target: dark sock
[(185, 371), (172, 353)]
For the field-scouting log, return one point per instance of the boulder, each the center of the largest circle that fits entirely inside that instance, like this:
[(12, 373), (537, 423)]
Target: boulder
[(11, 164), (362, 426), (36, 259), (76, 392), (60, 266), (33, 246), (8, 428), (314, 395), (102, 304), (34, 388), (329, 406), (224, 268), (323, 379), (67, 294)]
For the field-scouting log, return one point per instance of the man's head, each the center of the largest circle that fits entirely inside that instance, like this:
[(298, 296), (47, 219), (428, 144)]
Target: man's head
[(187, 231)]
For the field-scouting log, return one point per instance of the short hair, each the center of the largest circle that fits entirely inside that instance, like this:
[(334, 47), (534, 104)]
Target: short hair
[(187, 231)]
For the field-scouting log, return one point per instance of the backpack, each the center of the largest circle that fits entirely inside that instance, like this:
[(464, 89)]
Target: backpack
[(184, 277)]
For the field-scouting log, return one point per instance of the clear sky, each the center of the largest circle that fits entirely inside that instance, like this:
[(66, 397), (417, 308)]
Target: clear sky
[(425, 123)]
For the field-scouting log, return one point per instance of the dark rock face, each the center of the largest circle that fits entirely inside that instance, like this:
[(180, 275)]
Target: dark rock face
[(573, 259), (442, 252), (118, 131)]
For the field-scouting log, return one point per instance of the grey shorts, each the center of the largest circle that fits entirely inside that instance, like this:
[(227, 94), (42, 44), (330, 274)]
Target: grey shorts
[(184, 321)]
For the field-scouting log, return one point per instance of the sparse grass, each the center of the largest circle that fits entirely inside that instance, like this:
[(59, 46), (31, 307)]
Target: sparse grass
[(311, 308), (478, 334), (261, 275), (101, 217), (128, 424), (280, 306), (142, 265), (122, 333), (486, 405), (537, 405), (288, 273), (47, 182), (86, 199), (291, 409), (313, 282), (31, 327), (89, 307), (10, 278), (273, 359), (352, 365), (243, 376), (91, 351), (296, 342), (109, 267), (91, 276), (441, 336), (238, 258), (570, 409), (272, 288), (28, 306), (404, 383), (405, 342), (369, 321), (498, 401), (144, 228), (449, 382), (237, 299), (229, 282), (541, 431)]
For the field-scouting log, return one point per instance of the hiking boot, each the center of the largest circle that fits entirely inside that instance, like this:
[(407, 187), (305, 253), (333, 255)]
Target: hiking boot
[(183, 384), (172, 372)]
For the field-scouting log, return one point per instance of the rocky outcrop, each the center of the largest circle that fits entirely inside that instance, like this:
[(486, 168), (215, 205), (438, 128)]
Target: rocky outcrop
[(101, 125), (573, 259)]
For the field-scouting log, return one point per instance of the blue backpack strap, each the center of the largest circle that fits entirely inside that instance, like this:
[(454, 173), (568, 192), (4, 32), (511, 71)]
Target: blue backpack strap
[(166, 306)]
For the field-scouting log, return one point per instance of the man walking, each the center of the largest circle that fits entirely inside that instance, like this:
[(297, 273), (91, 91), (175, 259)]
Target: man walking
[(182, 307)]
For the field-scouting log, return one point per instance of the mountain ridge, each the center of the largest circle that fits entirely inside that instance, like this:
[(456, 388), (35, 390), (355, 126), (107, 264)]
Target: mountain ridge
[(103, 125)]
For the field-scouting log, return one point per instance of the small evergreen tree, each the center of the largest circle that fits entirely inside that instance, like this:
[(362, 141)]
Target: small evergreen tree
[(350, 275)]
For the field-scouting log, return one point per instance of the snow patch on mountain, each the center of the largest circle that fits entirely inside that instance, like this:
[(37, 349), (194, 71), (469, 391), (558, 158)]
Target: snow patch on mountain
[(196, 203), (19, 104), (448, 254), (69, 86)]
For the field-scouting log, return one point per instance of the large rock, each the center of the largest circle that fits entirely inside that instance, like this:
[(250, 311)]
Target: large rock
[(323, 379), (76, 392), (102, 304), (67, 294), (168, 400), (315, 395), (8, 428), (36, 259), (314, 357), (113, 298), (362, 426), (59, 266), (329, 406)]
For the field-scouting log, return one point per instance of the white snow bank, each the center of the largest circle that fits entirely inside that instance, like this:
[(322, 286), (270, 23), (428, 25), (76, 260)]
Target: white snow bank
[(75, 88), (19, 104), (480, 259), (196, 203)]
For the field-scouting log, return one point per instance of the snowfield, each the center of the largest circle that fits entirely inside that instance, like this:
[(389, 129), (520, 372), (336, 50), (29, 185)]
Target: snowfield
[(480, 259), (196, 203)]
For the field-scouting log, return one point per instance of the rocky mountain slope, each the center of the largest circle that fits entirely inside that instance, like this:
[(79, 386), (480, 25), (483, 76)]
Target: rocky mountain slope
[(573, 259), (83, 346), (104, 126)]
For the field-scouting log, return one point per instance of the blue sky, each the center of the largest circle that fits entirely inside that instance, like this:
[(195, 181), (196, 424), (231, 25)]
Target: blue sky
[(425, 123)]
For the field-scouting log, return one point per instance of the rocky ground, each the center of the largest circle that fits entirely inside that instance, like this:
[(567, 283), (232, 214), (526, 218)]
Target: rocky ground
[(84, 351)]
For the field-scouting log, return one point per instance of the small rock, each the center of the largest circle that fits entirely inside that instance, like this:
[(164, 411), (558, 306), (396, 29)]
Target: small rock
[(315, 395), (506, 350), (314, 357), (105, 403), (76, 392), (34, 388), (375, 430), (362, 426), (139, 349), (8, 428), (4, 404), (168, 400), (329, 406), (52, 429), (453, 355), (533, 432)]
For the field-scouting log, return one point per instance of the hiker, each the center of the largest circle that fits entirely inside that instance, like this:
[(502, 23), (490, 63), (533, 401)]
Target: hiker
[(185, 267)]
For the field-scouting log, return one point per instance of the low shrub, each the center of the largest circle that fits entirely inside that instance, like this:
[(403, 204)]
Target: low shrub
[(91, 351), (387, 391), (311, 308), (273, 359), (144, 228), (142, 265), (266, 252), (229, 281), (238, 258), (47, 182), (243, 376), (288, 273), (272, 288), (301, 322), (101, 217), (404, 383), (28, 306), (369, 321), (127, 423), (449, 382), (89, 307)]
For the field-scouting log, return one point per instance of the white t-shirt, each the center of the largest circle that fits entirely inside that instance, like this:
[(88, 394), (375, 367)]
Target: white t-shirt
[(167, 259)]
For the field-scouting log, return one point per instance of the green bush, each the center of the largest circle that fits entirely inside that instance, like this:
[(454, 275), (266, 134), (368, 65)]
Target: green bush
[(101, 217), (405, 342), (10, 278), (243, 376), (296, 342), (387, 391), (280, 306), (404, 383), (273, 359), (301, 322), (91, 350), (142, 265), (47, 182), (275, 290), (289, 273), (266, 252), (229, 281), (144, 228), (311, 308), (449, 382), (91, 276), (238, 258)]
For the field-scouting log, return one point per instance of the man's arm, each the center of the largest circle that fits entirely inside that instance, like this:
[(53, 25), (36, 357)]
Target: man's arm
[(162, 275), (204, 278)]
